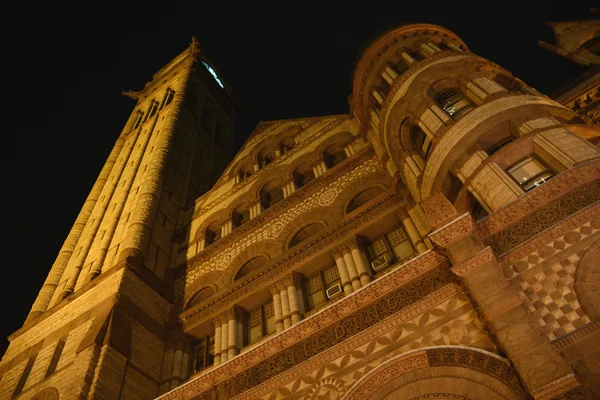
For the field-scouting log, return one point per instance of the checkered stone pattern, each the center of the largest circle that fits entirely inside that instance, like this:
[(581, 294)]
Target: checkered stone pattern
[(547, 287)]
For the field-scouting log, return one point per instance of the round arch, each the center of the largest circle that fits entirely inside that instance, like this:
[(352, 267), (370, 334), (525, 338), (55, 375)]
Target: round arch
[(587, 277), (447, 372)]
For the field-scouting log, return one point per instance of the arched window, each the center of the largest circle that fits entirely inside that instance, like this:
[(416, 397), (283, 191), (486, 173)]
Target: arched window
[(271, 193), (246, 171), (212, 234), (303, 175), (251, 266), (530, 172), (287, 144), (202, 295), (420, 141), (306, 233), (240, 216), (453, 102), (266, 157), (334, 155), (363, 197)]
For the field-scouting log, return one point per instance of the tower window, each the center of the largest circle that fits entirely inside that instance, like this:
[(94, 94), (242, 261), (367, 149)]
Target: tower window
[(530, 173), (202, 353), (420, 141), (453, 103)]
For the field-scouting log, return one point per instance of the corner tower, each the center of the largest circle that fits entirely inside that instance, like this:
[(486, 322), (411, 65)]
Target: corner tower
[(105, 301), (499, 175)]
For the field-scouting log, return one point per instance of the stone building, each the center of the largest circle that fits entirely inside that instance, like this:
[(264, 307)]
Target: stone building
[(438, 241)]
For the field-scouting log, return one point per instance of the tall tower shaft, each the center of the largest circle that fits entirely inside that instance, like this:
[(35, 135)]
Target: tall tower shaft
[(111, 281)]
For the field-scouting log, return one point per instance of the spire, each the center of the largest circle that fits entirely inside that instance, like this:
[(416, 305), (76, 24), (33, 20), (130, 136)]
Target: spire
[(195, 48)]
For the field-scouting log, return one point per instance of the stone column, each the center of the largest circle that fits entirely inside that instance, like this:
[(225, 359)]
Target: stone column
[(361, 266), (391, 71), (285, 306), (352, 272), (289, 188), (177, 359), (387, 78), (319, 168), (427, 51), (541, 367), (434, 47), (232, 349), (255, 210), (349, 149), (342, 271), (277, 307), (453, 47), (165, 375), (226, 228), (413, 233), (224, 338), (407, 58), (139, 228), (292, 283), (217, 357), (378, 96)]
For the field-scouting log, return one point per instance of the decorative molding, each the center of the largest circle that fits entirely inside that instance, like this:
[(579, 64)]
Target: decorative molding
[(453, 231), (396, 291), (556, 388), (453, 356), (534, 242), (540, 197), (577, 335)]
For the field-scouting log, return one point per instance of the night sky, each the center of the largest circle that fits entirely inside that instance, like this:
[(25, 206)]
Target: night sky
[(66, 65)]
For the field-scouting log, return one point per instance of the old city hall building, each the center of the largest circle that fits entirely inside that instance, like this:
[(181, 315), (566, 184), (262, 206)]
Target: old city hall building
[(438, 241)]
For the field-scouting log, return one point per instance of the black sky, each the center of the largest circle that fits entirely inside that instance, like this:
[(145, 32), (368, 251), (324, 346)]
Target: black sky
[(65, 65)]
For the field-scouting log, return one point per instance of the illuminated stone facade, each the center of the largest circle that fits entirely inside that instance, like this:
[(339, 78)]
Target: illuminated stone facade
[(438, 241)]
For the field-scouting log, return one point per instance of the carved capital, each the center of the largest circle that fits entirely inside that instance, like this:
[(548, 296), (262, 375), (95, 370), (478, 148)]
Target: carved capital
[(351, 243)]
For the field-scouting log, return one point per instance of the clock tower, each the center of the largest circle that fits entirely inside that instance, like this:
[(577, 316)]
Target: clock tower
[(97, 327)]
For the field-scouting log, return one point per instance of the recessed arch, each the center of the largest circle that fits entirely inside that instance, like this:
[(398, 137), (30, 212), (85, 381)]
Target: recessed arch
[(201, 295), (587, 277), (250, 266), (307, 232), (440, 372), (363, 197)]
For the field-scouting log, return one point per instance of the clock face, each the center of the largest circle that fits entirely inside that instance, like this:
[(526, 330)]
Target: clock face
[(213, 73)]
